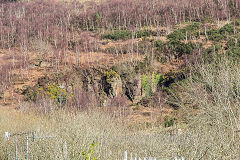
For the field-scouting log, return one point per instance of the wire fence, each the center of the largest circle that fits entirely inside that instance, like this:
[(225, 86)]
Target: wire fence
[(22, 143), (135, 157)]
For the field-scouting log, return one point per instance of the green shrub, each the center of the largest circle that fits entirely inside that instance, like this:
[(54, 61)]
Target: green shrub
[(231, 43), (222, 33), (233, 47), (177, 35), (185, 48), (228, 29), (209, 52), (88, 155), (144, 66), (234, 52), (110, 75), (156, 79), (58, 94), (193, 27), (214, 35), (180, 34), (168, 122), (237, 22), (176, 47), (146, 85), (96, 19), (150, 83), (159, 44), (117, 34), (143, 33), (30, 94), (179, 48)]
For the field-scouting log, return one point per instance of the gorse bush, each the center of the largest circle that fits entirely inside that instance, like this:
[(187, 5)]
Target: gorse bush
[(110, 75), (117, 35), (53, 91), (159, 44), (180, 48), (214, 35), (177, 35), (212, 49), (234, 52), (185, 33), (58, 94), (233, 42), (233, 47), (143, 33), (175, 47), (228, 29), (193, 27), (222, 33)]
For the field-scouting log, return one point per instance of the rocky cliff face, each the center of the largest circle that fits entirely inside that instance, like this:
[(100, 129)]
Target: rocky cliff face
[(116, 87), (134, 89), (102, 85)]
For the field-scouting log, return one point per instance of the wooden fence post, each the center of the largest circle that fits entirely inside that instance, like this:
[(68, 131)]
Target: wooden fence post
[(125, 155), (139, 158)]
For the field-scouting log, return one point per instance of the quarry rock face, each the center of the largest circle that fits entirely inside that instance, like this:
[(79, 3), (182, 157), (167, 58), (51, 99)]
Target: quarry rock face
[(104, 100), (134, 89), (116, 87), (137, 90), (112, 83)]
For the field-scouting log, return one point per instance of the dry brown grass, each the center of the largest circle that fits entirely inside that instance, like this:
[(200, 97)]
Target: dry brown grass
[(78, 131)]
